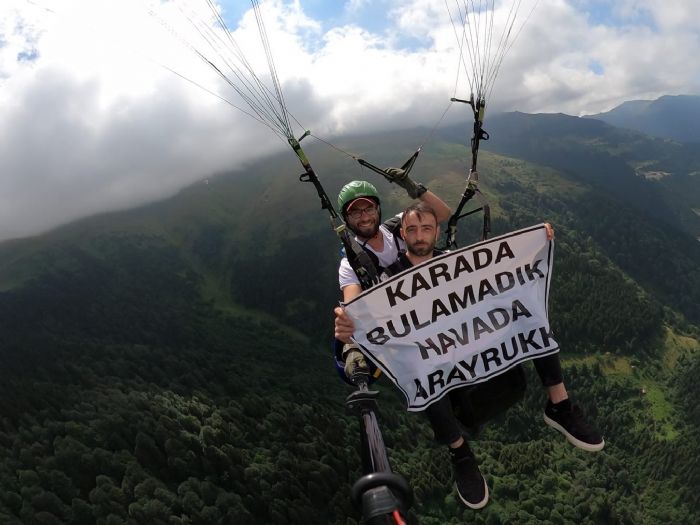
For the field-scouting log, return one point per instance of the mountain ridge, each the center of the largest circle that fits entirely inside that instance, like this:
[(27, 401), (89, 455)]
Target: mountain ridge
[(673, 117)]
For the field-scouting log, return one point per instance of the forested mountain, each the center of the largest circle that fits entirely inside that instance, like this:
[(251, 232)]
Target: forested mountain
[(672, 117), (657, 177), (171, 364)]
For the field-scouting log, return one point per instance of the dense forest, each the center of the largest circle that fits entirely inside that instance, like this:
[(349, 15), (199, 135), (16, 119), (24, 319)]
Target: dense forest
[(157, 368)]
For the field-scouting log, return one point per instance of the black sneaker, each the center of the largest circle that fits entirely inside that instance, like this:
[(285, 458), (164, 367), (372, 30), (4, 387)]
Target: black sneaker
[(471, 485), (568, 419)]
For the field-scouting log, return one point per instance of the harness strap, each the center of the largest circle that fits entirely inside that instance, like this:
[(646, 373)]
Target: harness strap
[(469, 192), (393, 225), (359, 261)]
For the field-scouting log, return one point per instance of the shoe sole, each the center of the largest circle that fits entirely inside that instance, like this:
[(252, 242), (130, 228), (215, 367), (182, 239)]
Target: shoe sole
[(589, 447), (482, 503)]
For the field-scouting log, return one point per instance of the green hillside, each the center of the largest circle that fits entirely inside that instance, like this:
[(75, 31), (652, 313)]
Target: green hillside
[(657, 176), (171, 364)]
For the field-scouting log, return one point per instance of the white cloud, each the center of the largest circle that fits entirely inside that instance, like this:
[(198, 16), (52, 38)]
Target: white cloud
[(356, 6), (90, 121)]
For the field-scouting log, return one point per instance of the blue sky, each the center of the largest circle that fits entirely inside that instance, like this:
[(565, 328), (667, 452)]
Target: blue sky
[(371, 15), (616, 14), (93, 119)]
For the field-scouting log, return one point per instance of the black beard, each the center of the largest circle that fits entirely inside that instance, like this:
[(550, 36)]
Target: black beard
[(365, 233), (420, 250)]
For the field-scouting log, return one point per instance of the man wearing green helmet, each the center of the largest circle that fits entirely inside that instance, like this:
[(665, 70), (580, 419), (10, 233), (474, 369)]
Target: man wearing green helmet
[(360, 206)]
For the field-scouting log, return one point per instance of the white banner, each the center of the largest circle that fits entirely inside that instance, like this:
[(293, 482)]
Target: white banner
[(460, 318)]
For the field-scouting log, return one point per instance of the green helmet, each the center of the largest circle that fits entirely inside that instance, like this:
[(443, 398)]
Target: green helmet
[(354, 190)]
